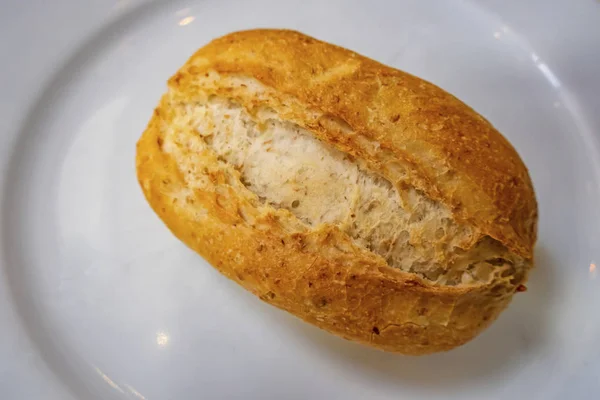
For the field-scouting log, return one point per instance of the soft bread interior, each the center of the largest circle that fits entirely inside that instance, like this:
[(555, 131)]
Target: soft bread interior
[(288, 168)]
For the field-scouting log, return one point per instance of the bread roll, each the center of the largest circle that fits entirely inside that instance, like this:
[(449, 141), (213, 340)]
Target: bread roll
[(355, 196)]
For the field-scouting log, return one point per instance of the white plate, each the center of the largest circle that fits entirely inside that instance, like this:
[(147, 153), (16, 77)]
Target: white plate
[(99, 301)]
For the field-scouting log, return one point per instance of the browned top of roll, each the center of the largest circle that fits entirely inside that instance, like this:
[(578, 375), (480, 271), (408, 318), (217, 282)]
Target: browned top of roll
[(455, 155)]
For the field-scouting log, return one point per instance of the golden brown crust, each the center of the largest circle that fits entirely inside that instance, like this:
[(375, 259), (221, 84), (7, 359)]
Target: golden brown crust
[(320, 275), (456, 156)]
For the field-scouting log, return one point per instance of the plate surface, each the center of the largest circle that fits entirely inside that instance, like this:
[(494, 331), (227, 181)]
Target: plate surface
[(99, 301)]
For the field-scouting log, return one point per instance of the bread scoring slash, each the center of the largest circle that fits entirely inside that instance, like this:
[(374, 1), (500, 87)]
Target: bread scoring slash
[(358, 197)]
